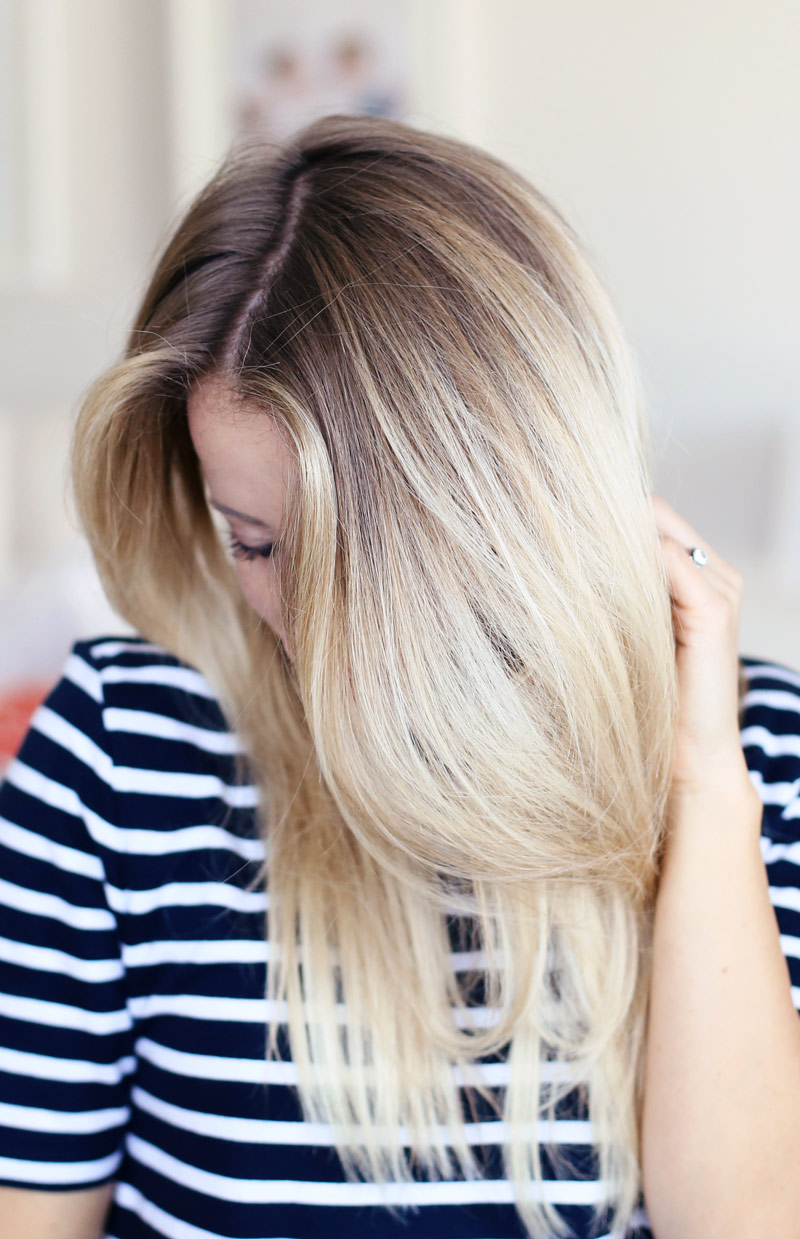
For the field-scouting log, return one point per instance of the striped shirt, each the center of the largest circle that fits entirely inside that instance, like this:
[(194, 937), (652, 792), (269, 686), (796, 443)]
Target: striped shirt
[(132, 970)]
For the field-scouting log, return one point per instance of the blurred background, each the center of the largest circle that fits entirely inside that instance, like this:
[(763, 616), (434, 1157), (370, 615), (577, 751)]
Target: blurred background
[(667, 132)]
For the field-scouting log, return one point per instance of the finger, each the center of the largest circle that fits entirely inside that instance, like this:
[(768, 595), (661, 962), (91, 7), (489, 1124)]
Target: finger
[(703, 601), (695, 579), (676, 526)]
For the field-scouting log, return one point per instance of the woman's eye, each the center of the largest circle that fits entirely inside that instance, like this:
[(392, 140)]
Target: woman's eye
[(241, 551)]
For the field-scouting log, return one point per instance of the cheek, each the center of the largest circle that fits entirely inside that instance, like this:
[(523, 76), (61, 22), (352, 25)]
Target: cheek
[(260, 589)]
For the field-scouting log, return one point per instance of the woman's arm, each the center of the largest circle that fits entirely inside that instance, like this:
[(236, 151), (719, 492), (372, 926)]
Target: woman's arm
[(721, 1128), (721, 1122), (26, 1214)]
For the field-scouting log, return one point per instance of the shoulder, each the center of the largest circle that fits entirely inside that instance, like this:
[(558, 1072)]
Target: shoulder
[(163, 726), (129, 733), (143, 690), (770, 736), (129, 669), (122, 701)]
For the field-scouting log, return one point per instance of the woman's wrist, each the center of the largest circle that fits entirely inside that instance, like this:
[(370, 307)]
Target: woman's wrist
[(720, 783), (721, 817)]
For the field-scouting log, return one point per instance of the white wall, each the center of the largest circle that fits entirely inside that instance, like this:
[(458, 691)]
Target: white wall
[(668, 132), (110, 153), (90, 122)]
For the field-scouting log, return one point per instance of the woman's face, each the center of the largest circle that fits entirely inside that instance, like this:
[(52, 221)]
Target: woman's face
[(245, 465)]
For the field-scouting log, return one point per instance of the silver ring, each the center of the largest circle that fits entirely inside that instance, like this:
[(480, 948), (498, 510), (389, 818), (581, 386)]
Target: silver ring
[(699, 556)]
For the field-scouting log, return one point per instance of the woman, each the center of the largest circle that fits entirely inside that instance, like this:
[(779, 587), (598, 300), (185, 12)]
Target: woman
[(459, 713)]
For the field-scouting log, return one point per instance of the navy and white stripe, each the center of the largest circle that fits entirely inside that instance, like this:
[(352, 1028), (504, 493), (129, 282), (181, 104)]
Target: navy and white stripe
[(132, 963)]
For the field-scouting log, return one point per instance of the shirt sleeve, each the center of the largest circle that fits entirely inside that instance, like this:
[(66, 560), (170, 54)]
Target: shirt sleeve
[(782, 861), (770, 735), (65, 1030)]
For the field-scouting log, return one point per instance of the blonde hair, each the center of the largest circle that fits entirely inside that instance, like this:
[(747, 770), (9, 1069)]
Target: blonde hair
[(472, 747)]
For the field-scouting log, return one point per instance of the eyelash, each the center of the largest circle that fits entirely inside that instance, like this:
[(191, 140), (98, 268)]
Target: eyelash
[(249, 553)]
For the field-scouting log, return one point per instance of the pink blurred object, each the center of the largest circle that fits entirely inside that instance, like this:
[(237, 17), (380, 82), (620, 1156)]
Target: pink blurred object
[(18, 703)]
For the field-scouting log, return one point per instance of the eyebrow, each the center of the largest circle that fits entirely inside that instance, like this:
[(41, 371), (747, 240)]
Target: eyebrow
[(249, 520)]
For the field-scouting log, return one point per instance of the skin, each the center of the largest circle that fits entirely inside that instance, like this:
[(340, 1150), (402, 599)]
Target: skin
[(26, 1213), (246, 466), (720, 989)]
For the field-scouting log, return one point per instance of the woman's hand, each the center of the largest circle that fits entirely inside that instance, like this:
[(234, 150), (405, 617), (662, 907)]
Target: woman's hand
[(705, 610)]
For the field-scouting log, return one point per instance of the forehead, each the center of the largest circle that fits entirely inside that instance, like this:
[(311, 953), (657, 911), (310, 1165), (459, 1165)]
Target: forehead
[(216, 413), (241, 451)]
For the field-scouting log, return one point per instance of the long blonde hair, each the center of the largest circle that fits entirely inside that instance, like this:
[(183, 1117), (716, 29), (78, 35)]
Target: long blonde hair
[(472, 746)]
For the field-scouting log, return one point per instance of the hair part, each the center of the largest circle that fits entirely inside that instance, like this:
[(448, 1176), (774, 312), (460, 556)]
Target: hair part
[(472, 748)]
